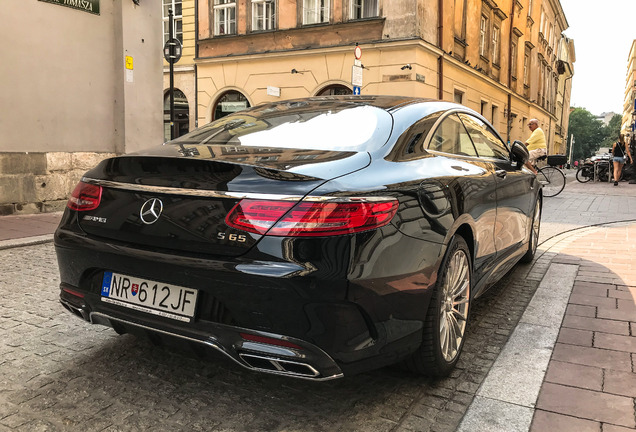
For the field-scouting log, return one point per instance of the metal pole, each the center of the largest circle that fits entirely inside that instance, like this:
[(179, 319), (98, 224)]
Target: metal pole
[(571, 149), (170, 36)]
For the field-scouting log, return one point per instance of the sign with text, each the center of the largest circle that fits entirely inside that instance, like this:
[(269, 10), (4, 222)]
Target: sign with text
[(356, 76), (233, 106), (273, 91), (91, 6)]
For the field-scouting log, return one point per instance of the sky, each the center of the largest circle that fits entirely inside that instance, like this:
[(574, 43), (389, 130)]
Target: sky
[(603, 32)]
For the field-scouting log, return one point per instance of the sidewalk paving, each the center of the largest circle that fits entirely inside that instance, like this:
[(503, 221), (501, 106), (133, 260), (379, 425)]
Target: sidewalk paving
[(570, 364)]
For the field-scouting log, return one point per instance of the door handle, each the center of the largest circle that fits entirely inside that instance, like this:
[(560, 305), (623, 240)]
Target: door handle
[(501, 173)]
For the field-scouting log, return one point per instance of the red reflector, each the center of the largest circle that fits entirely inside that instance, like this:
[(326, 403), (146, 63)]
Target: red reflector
[(269, 341), (74, 293), (85, 197), (307, 218)]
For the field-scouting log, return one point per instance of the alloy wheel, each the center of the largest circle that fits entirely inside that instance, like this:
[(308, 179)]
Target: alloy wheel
[(455, 297)]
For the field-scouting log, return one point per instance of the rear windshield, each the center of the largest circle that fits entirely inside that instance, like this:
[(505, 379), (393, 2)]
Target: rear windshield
[(340, 126)]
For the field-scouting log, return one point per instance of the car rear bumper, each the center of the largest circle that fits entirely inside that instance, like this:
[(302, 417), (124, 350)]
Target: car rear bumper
[(330, 335), (304, 361)]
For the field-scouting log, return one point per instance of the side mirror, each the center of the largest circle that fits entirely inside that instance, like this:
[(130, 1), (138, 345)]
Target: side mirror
[(519, 153)]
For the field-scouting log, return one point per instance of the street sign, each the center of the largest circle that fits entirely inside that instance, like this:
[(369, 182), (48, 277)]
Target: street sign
[(357, 52), (356, 90), (356, 76), (172, 50)]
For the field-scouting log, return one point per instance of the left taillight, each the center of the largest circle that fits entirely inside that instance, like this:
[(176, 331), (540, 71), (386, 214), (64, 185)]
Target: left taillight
[(310, 218), (85, 197)]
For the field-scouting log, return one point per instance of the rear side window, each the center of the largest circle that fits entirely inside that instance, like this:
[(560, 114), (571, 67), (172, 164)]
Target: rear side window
[(451, 137), (485, 139), (410, 145)]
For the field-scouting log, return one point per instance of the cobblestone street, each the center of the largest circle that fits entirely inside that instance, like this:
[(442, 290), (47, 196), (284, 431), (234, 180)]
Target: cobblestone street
[(58, 372)]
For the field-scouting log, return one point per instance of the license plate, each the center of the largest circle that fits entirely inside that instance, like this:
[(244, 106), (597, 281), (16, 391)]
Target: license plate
[(158, 298)]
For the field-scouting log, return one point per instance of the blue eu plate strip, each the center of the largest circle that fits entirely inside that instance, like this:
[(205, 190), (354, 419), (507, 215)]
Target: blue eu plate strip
[(108, 276)]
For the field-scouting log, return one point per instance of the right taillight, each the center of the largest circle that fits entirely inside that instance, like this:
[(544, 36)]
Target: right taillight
[(85, 197), (310, 218)]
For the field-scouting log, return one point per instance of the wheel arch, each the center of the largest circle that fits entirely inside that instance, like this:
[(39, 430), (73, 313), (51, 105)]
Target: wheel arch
[(466, 232)]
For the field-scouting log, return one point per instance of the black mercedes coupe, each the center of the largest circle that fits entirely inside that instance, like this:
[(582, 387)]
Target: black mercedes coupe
[(311, 238)]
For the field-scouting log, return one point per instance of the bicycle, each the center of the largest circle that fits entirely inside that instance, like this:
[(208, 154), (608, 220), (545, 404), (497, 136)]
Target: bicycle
[(599, 168), (551, 178)]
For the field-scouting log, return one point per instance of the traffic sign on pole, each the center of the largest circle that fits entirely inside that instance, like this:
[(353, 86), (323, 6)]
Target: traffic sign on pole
[(356, 76), (172, 50), (356, 90)]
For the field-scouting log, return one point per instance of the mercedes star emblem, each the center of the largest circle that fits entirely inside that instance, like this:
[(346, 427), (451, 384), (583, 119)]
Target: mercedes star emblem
[(151, 210)]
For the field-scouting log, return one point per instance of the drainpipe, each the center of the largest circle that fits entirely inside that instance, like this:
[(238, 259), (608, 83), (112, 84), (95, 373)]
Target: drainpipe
[(440, 41), (196, 56), (509, 119)]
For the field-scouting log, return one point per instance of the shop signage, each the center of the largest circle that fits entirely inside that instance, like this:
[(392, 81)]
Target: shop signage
[(91, 6), (233, 106)]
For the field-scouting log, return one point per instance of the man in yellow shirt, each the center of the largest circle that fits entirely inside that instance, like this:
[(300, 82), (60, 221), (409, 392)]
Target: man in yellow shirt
[(536, 144)]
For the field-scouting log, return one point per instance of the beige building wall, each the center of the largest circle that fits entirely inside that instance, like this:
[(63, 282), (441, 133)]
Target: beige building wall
[(68, 100), (629, 105), (405, 32)]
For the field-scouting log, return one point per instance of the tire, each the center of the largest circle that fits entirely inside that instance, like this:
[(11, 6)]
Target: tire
[(552, 179), (533, 241), (584, 174), (447, 315)]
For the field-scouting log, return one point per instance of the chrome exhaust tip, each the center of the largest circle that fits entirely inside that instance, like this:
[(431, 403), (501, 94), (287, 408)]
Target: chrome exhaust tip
[(279, 366), (77, 311)]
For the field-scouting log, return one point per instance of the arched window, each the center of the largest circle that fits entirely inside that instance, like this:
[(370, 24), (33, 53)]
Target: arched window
[(181, 115), (229, 102), (335, 90)]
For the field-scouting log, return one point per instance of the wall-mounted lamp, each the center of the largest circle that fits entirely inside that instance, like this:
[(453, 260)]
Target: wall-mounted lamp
[(294, 71), (136, 2), (407, 66)]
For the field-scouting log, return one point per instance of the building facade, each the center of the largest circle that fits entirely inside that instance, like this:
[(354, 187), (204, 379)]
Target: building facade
[(507, 59), (81, 82), (628, 125), (183, 70)]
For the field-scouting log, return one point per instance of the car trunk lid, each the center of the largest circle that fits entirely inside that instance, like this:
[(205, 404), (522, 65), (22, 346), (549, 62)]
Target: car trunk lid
[(177, 198)]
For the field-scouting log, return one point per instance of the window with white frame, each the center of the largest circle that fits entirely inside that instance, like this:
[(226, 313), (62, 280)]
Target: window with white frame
[(224, 17), (483, 32), (496, 33), (315, 11), (177, 17), (364, 9), (263, 14)]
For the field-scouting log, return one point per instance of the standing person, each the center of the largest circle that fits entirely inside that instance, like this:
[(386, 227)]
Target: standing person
[(620, 152), (536, 144)]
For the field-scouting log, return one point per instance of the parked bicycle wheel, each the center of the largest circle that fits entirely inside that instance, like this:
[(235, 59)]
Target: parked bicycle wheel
[(584, 174), (552, 179), (603, 172)]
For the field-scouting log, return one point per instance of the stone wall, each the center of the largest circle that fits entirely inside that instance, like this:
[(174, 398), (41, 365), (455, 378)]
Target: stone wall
[(41, 182)]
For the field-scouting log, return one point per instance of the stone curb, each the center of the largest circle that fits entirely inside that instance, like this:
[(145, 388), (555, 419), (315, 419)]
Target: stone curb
[(25, 241)]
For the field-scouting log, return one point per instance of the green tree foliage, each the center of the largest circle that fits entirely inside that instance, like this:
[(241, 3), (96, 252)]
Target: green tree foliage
[(590, 133)]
